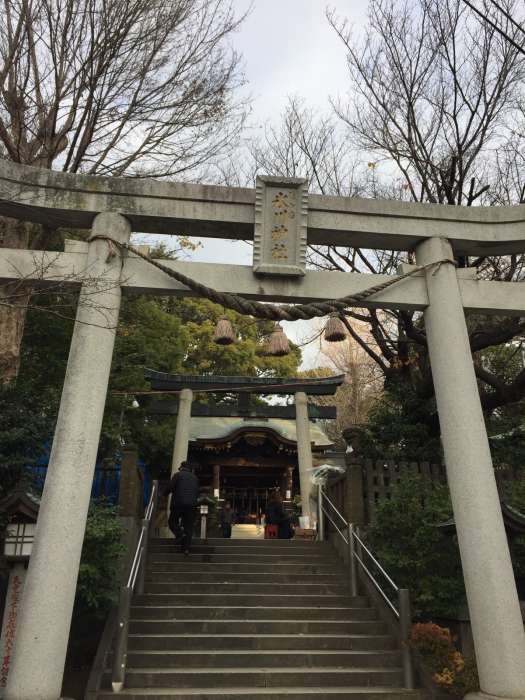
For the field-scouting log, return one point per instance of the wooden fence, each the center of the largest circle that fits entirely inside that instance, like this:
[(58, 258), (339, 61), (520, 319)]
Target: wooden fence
[(356, 493), (379, 479)]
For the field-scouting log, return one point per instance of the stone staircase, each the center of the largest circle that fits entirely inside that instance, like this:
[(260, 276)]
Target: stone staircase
[(247, 532), (255, 618)]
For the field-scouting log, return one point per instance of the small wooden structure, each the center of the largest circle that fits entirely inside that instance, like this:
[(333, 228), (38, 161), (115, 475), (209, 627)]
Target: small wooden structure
[(21, 507)]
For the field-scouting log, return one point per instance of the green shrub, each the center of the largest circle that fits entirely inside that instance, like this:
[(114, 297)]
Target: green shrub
[(434, 648), (415, 554), (97, 586)]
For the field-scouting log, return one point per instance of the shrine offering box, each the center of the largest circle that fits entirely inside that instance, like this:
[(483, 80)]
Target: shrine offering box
[(305, 534)]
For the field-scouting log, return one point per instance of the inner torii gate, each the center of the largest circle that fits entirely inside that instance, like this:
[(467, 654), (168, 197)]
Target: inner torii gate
[(301, 411), (280, 217)]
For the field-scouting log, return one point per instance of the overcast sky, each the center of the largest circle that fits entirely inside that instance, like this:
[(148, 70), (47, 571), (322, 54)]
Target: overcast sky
[(289, 48)]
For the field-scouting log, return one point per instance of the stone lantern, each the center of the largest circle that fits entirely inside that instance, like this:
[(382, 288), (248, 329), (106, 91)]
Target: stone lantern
[(205, 503)]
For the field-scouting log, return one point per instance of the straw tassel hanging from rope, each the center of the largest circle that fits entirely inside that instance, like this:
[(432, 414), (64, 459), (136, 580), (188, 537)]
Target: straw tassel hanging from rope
[(278, 345), (224, 332), (334, 330)]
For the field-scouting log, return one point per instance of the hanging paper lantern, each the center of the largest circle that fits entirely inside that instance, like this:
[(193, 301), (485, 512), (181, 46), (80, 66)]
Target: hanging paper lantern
[(278, 345), (334, 330), (224, 332)]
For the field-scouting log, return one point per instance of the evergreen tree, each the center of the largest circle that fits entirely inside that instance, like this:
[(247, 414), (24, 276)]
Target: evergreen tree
[(166, 334)]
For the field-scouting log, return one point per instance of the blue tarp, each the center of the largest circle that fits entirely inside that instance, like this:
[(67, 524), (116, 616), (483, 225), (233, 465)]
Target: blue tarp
[(105, 481)]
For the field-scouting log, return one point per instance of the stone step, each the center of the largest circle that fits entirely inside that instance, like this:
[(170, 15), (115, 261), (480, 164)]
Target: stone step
[(232, 612), (246, 549), (195, 576), (239, 619), (254, 600), (248, 532), (259, 677), (219, 568), (298, 626), (270, 659), (323, 559), (245, 693), (319, 590), (173, 642), (255, 544)]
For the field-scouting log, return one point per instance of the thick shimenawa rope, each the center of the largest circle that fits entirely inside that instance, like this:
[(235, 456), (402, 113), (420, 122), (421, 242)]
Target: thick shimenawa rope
[(273, 312)]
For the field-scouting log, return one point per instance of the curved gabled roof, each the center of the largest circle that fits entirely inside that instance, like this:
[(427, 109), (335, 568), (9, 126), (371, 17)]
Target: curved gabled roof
[(204, 429), (512, 519)]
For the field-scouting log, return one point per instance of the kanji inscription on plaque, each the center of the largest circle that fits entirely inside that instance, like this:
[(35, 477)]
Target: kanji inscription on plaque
[(281, 210)]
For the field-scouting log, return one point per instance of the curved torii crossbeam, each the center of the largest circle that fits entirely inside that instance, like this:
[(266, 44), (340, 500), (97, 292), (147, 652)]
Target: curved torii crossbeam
[(281, 218)]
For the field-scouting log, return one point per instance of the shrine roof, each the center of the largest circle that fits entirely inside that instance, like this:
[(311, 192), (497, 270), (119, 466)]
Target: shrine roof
[(325, 386), (206, 428), (25, 498), (512, 518)]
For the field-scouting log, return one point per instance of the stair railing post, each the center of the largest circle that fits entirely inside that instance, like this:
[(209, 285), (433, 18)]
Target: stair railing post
[(405, 623), (320, 518), (141, 574), (359, 549), (153, 518), (120, 653), (354, 576)]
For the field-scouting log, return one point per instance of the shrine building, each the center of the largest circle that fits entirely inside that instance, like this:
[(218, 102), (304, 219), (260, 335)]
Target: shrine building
[(242, 450)]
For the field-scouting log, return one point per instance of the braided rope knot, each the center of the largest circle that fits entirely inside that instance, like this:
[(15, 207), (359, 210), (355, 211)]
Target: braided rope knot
[(267, 311)]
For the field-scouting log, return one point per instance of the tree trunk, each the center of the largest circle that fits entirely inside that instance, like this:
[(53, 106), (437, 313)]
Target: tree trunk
[(14, 300)]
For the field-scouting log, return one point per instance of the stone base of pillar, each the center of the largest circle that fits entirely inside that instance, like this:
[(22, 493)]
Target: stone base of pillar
[(15, 587)]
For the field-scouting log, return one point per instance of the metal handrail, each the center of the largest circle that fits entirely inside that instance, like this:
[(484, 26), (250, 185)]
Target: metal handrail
[(402, 612), (136, 559), (149, 509), (333, 523), (331, 504), (135, 580), (396, 588), (371, 577), (132, 584)]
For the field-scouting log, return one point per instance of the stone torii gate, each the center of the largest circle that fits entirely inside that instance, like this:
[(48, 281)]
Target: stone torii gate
[(280, 217)]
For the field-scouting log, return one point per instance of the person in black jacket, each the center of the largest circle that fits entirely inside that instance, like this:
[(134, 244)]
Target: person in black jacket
[(276, 515), (184, 487), (227, 518)]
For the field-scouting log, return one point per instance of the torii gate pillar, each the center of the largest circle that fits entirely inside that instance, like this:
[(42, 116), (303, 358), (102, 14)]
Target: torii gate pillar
[(182, 436), (494, 608), (304, 450), (39, 651), (182, 431)]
